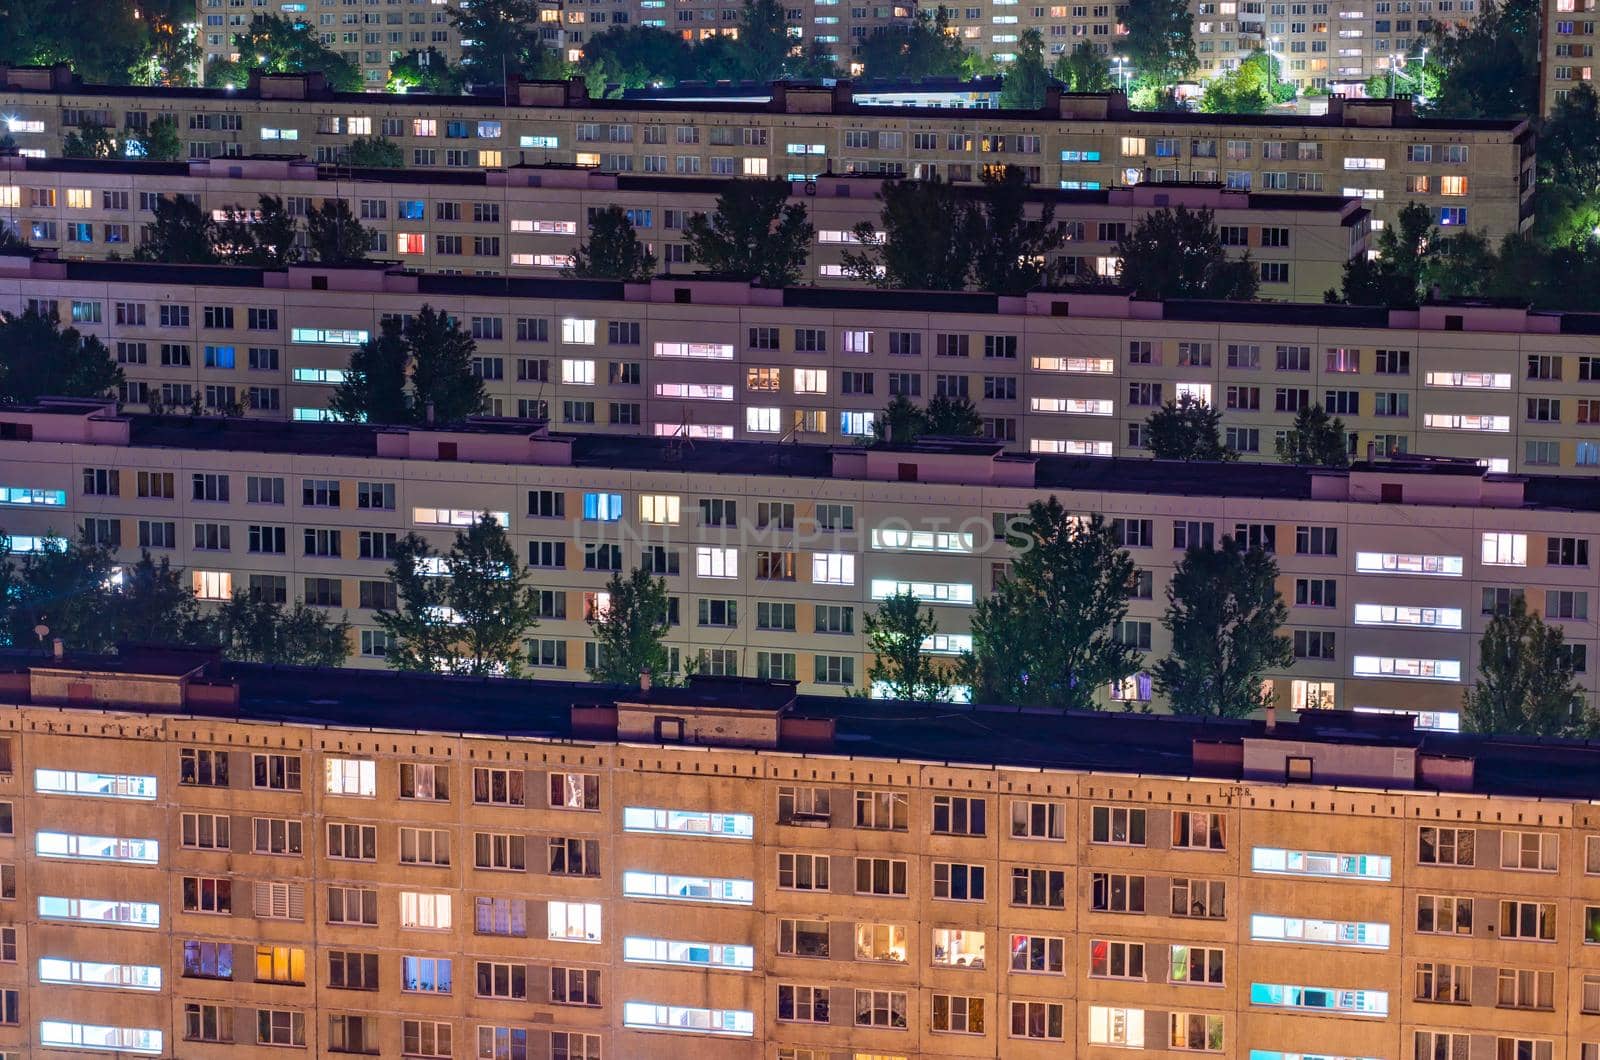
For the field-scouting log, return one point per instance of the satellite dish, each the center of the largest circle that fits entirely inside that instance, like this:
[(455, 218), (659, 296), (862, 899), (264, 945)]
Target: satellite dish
[(811, 187)]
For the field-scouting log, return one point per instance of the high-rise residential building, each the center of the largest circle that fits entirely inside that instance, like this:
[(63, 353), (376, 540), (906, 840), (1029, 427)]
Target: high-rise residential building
[(1074, 372), (773, 554), (1469, 173), (215, 861), (528, 219), (1566, 49)]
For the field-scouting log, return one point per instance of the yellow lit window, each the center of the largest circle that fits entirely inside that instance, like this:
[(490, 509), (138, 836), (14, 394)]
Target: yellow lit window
[(755, 167), (588, 158), (359, 126), (491, 159), (11, 196), (80, 199), (659, 508), (1452, 185), (1133, 147), (424, 127), (280, 964)]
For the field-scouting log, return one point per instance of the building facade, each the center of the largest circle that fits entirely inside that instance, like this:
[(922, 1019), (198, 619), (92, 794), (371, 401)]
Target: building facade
[(527, 220), (1566, 42), (201, 866), (1477, 174), (773, 554), (1072, 373)]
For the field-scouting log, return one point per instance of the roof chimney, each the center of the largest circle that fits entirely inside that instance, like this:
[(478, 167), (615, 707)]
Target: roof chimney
[(1272, 718), (644, 680), (58, 648)]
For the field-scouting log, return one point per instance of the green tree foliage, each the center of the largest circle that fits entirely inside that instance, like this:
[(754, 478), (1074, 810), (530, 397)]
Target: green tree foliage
[(153, 603), (1011, 251), (625, 57), (226, 73), (1491, 64), (903, 421), (631, 631), (1525, 680), (764, 41), (262, 240), (434, 352), (923, 242), (103, 42), (289, 46), (173, 54), (1415, 79), (755, 234), (334, 236), (11, 240), (1084, 69), (614, 250), (1186, 429), (1046, 636), (428, 72), (249, 628), (1395, 277), (374, 386), (1224, 614), (182, 234), (91, 140), (1315, 439), (920, 48), (1026, 77), (1250, 88), (444, 388), (62, 587), (375, 152), (158, 143), (896, 630), (469, 619), (1178, 253), (1160, 40), (504, 39), (38, 358)]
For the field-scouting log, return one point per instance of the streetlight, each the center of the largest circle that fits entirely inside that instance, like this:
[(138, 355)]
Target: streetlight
[(1272, 66), (1118, 63)]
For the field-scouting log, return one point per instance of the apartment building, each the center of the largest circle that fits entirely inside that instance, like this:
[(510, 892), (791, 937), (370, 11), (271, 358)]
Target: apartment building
[(526, 219), (369, 40), (1477, 174), (229, 861), (772, 554), (1566, 43), (1073, 372)]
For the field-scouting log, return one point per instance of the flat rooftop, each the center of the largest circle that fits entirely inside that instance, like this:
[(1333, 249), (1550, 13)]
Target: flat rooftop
[(1144, 744)]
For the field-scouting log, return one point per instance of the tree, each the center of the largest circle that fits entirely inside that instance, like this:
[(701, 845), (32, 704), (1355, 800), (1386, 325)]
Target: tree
[(896, 631), (91, 140), (1160, 41), (103, 42), (444, 388), (38, 358), (498, 37), (158, 143), (226, 73), (1525, 680), (1224, 613), (374, 386), (1315, 440), (901, 423), (637, 57), (250, 628), (631, 630), (63, 587), (1394, 278), (334, 235), (427, 71), (755, 234), (173, 53), (957, 417), (1418, 81), (434, 352), (265, 239), (1084, 69), (922, 47), (289, 46), (1012, 252), (1250, 88), (764, 42), (1178, 253), (468, 618), (182, 234), (1490, 64), (375, 152), (613, 251), (924, 239), (1186, 429), (153, 603), (1047, 636), (1026, 77)]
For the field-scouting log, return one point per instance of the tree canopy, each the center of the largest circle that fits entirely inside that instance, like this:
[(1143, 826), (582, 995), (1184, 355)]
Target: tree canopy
[(1026, 76), (1224, 613), (427, 71), (630, 631), (38, 358), (614, 250), (755, 234), (286, 46), (414, 371), (1084, 69), (334, 236), (1160, 41), (1315, 439), (1526, 680), (919, 48), (901, 668), (1250, 88), (1490, 65), (902, 421), (1177, 253), (1186, 429), (1048, 634), (375, 152)]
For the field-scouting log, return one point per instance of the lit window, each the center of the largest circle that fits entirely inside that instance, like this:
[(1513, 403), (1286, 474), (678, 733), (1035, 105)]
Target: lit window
[(56, 1034), (1408, 668), (455, 517), (712, 562), (577, 332), (762, 420), (687, 822), (1116, 1026), (574, 921), (96, 848), (810, 380), (578, 373), (659, 508), (429, 912), (351, 776), (1401, 615), (1321, 999), (1409, 563), (637, 950), (687, 888), (1319, 932), (602, 507), (1506, 550), (923, 541), (1275, 861), (644, 1016), (100, 785), (698, 351), (100, 911), (833, 568), (88, 973), (212, 584), (927, 592)]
